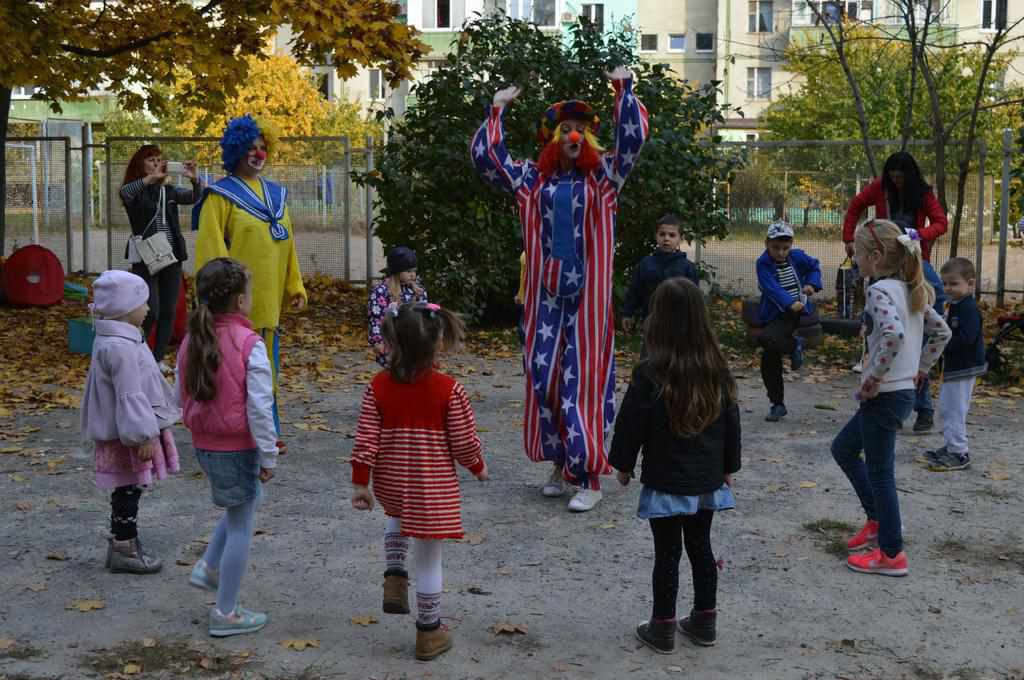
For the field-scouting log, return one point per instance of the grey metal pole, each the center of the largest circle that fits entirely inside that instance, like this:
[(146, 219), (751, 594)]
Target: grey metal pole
[(979, 239), (346, 172), (369, 215), (110, 190), (85, 196), (1004, 216), (67, 206)]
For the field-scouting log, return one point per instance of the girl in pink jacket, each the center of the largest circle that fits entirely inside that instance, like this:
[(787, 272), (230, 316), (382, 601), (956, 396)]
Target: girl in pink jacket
[(227, 396), (127, 411)]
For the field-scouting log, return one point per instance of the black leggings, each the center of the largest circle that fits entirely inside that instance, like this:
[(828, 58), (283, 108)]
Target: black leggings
[(777, 340), (124, 512), (163, 303), (670, 535)]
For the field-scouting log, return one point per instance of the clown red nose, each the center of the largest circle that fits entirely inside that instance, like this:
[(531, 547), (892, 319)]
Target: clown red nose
[(575, 137), (260, 155)]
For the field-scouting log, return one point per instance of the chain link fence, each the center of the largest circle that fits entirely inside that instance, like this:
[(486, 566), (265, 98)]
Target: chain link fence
[(811, 183), (329, 213), (37, 200)]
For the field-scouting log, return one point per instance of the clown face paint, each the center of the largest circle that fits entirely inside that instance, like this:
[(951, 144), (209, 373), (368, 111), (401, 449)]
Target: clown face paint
[(254, 159), (571, 138)]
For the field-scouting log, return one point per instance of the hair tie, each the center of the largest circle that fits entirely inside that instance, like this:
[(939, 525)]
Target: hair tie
[(910, 242), (913, 234)]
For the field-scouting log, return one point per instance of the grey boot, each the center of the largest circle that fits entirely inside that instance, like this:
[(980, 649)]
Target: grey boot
[(127, 557)]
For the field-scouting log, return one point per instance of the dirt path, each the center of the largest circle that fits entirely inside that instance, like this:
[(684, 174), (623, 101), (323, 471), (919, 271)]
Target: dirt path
[(789, 608)]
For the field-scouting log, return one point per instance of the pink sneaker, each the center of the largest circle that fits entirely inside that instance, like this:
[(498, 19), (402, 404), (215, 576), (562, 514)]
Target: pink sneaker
[(864, 538), (877, 562)]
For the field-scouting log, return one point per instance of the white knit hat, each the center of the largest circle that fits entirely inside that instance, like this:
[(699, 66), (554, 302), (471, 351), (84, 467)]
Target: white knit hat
[(116, 292)]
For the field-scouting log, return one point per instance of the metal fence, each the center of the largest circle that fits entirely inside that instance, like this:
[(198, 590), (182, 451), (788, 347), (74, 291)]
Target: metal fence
[(811, 183), (37, 200), (329, 213)]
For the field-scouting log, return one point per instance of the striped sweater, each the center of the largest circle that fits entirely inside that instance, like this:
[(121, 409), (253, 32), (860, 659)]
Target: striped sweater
[(408, 439)]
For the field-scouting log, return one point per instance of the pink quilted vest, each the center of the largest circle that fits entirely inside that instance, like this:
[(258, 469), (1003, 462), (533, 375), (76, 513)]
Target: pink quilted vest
[(222, 424)]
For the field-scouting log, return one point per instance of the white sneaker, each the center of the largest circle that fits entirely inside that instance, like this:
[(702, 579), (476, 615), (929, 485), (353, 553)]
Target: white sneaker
[(555, 486), (585, 499), (858, 367)]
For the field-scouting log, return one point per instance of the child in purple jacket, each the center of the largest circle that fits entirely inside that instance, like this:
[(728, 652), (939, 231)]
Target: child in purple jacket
[(127, 411)]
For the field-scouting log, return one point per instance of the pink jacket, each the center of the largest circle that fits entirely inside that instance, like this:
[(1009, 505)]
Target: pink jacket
[(222, 424), (126, 399)]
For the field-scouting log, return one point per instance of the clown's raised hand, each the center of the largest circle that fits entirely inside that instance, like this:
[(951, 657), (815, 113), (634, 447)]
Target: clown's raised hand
[(507, 96), (619, 73)]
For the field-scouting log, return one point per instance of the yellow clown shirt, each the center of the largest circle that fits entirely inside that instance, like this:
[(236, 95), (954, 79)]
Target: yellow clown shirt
[(274, 264)]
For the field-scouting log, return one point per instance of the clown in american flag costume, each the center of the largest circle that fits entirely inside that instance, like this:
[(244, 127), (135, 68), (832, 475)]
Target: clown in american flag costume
[(567, 203)]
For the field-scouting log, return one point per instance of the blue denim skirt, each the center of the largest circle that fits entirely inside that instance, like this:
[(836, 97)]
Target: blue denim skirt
[(657, 504), (234, 476)]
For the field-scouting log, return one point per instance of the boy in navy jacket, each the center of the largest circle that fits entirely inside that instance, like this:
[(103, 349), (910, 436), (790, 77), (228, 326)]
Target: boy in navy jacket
[(667, 262), (962, 362), (787, 277)]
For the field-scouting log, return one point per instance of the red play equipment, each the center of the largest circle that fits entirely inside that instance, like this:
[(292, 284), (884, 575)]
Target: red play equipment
[(33, 277)]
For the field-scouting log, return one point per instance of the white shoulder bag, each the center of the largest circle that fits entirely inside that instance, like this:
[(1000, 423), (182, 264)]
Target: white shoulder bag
[(155, 251)]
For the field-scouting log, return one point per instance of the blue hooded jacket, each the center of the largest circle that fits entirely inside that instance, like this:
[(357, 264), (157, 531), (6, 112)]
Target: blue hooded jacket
[(774, 298)]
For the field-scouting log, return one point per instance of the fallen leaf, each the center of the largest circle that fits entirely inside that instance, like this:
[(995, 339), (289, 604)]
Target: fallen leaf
[(477, 590), (148, 642), (17, 478), (299, 645), (262, 532), (204, 663), (674, 669), (6, 643), (24, 506), (87, 605), (367, 620), (36, 587), (57, 556), (472, 539), (183, 563), (12, 449), (131, 669), (825, 407), (508, 629), (606, 525), (808, 485)]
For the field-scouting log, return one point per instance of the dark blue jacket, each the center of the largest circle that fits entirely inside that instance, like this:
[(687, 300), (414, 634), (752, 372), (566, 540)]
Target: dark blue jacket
[(774, 298), (964, 356), (649, 274)]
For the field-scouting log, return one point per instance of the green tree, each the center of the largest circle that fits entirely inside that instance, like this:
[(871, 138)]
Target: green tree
[(466, 233)]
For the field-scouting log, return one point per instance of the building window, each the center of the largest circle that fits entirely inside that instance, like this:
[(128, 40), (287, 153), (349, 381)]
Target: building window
[(705, 42), (993, 15), (376, 85), (444, 13), (22, 92), (594, 15), (760, 16), (759, 83), (649, 42), (544, 12), (676, 42), (751, 137)]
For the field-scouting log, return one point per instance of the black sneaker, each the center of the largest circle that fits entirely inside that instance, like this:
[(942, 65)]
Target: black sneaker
[(934, 457), (658, 635), (949, 462), (777, 412), (924, 423)]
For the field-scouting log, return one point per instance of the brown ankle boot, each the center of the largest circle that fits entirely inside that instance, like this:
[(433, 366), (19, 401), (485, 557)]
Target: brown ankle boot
[(432, 643), (396, 593)]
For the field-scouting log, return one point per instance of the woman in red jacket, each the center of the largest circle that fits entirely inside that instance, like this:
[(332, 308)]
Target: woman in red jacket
[(902, 196)]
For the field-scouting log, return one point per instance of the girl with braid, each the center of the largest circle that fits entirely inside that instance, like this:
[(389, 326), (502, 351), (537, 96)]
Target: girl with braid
[(227, 396)]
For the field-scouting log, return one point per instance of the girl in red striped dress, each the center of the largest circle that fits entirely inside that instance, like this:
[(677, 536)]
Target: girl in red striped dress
[(414, 425)]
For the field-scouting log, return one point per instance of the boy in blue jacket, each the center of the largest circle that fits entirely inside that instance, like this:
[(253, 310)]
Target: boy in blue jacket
[(787, 277), (962, 362), (667, 262)]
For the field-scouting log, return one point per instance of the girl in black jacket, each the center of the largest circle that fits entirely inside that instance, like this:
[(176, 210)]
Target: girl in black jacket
[(681, 409)]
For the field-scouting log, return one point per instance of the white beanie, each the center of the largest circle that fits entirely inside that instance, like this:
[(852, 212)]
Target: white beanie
[(116, 292)]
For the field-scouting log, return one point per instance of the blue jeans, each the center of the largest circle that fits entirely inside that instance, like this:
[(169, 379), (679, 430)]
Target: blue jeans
[(873, 430), (923, 398)]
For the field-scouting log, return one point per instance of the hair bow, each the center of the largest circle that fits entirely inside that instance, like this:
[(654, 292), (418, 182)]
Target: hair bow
[(911, 240), (393, 309)]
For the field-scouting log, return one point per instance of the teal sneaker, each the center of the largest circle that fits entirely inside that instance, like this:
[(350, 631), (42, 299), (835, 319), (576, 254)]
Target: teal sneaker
[(204, 577), (239, 622)]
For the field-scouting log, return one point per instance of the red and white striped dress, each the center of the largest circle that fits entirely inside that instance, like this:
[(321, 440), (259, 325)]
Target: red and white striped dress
[(408, 439)]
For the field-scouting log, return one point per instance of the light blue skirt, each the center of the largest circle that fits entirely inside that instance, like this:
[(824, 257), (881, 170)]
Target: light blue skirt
[(656, 504)]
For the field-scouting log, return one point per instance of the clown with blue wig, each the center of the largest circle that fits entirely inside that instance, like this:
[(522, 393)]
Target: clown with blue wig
[(567, 203), (245, 216)]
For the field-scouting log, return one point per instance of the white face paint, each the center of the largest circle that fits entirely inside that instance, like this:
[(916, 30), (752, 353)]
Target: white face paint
[(255, 157), (571, 150)]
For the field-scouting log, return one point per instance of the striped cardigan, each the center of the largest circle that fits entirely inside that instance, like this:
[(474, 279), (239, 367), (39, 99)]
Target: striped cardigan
[(408, 439)]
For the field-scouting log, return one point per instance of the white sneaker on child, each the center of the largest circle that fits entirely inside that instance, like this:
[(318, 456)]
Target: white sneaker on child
[(584, 500)]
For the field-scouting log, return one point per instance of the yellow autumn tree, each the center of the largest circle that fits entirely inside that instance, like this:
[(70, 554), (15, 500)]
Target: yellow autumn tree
[(283, 95), (137, 50)]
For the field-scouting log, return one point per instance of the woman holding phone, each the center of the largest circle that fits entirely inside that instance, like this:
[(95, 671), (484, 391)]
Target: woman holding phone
[(152, 208)]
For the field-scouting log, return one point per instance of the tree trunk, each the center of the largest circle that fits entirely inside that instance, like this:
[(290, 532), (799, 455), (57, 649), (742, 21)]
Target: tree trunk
[(5, 114), (938, 133)]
